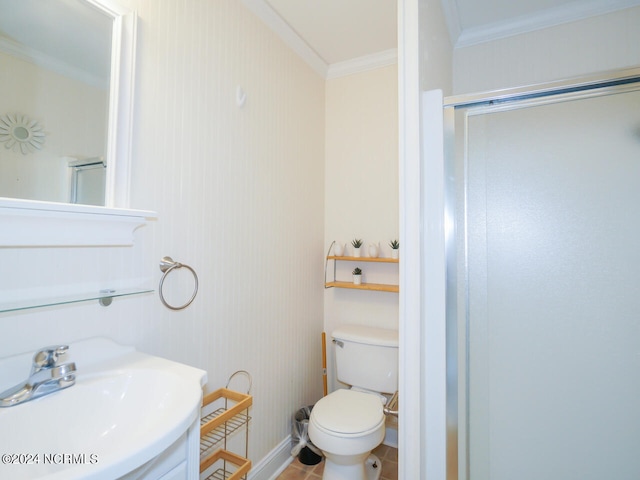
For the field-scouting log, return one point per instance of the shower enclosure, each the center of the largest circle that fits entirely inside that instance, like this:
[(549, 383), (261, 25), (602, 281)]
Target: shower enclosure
[(543, 282)]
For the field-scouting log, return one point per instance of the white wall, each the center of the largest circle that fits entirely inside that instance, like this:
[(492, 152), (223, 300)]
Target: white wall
[(578, 48), (239, 194), (436, 58), (361, 194)]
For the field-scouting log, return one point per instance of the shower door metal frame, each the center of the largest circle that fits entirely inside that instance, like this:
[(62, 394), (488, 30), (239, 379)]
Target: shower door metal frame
[(76, 168), (456, 287)]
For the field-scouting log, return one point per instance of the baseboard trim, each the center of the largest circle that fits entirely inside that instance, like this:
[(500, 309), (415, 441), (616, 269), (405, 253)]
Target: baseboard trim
[(274, 463)]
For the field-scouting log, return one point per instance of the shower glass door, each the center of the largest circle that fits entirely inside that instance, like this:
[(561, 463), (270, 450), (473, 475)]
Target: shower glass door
[(547, 286)]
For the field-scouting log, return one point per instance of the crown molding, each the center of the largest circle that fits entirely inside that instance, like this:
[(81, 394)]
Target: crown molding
[(265, 13), (544, 19), (364, 63), (452, 19)]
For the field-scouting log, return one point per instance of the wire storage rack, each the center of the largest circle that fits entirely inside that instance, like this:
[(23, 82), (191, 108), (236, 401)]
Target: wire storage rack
[(224, 412)]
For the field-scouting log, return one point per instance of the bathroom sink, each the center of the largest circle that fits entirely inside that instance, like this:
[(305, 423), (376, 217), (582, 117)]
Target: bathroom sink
[(125, 409)]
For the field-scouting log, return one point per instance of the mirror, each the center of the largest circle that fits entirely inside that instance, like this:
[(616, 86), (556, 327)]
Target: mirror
[(65, 101)]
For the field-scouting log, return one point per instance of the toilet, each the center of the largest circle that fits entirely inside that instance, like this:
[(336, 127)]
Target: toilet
[(348, 424)]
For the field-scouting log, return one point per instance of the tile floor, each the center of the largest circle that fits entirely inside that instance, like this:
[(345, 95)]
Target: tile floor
[(387, 455)]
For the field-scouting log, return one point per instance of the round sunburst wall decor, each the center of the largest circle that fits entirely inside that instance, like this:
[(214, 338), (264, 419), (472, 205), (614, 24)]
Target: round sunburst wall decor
[(21, 134)]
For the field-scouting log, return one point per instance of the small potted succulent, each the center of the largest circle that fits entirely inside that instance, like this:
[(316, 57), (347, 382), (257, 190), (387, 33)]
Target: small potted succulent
[(357, 243), (357, 276), (395, 247)]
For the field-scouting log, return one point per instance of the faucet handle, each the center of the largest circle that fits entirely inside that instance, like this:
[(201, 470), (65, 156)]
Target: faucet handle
[(48, 356)]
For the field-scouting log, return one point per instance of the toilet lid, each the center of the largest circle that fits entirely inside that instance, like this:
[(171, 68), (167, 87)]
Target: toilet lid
[(348, 411)]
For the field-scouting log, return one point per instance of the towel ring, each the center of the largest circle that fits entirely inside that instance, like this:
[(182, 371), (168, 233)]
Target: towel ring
[(167, 265)]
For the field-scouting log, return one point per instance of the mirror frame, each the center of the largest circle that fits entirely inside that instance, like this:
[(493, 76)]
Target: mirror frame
[(120, 106), (40, 223), (119, 127)]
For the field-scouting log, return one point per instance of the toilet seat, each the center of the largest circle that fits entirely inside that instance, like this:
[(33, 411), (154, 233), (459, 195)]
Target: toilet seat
[(348, 413)]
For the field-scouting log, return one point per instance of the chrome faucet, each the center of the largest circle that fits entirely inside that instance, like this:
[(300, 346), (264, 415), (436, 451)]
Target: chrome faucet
[(47, 376)]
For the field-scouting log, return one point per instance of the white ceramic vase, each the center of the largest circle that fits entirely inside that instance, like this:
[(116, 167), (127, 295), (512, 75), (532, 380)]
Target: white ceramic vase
[(338, 249), (395, 252), (357, 279), (356, 251), (373, 250)]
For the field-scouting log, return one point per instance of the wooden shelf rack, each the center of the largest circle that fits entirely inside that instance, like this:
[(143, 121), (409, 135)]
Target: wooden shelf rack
[(225, 411), (378, 287)]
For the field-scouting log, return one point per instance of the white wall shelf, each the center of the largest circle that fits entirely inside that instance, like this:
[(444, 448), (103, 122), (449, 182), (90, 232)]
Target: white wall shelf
[(27, 223)]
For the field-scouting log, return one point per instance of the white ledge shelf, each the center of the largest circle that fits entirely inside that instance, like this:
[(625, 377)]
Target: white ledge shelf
[(68, 299), (27, 223)]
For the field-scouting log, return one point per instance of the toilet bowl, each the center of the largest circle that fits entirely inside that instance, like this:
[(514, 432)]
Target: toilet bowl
[(347, 425)]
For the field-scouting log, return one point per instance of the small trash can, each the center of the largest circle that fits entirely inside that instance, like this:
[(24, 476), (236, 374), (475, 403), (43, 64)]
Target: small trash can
[(302, 447)]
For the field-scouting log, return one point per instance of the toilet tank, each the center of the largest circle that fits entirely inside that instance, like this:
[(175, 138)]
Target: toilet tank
[(367, 357)]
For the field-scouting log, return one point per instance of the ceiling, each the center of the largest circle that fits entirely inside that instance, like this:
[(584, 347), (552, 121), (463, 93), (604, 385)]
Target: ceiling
[(334, 36), (339, 31)]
